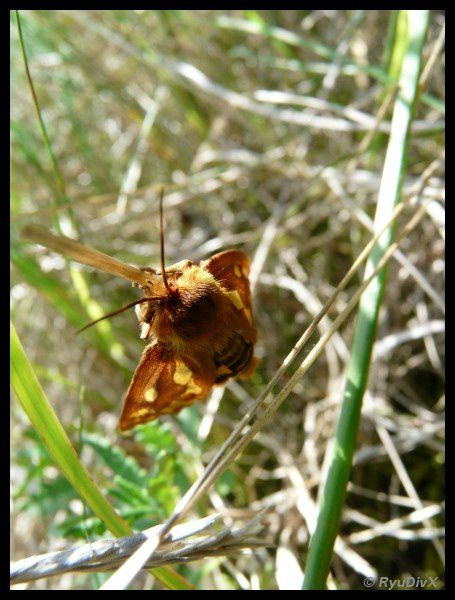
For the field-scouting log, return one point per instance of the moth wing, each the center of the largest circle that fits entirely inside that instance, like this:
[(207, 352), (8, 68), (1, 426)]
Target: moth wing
[(232, 268), (163, 383)]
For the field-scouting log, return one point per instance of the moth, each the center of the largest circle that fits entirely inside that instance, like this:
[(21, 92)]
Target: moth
[(197, 319), (200, 326)]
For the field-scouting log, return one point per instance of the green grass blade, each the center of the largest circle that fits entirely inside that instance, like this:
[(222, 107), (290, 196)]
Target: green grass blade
[(34, 402), (399, 45), (390, 41), (322, 542)]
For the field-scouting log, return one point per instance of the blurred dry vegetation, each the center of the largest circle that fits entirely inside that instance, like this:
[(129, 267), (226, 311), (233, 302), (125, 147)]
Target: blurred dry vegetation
[(237, 113)]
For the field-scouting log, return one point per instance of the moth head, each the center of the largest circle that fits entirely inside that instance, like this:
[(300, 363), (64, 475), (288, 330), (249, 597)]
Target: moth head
[(158, 292)]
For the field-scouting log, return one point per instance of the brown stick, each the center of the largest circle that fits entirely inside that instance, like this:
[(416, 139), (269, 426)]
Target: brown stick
[(83, 254)]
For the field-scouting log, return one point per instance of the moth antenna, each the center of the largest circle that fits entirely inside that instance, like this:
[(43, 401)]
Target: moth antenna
[(163, 270), (118, 311)]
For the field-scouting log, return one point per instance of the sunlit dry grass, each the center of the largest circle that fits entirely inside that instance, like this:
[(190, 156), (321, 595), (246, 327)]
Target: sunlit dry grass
[(253, 122)]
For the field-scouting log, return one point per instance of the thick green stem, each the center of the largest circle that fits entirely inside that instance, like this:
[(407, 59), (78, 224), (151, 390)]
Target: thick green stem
[(334, 491)]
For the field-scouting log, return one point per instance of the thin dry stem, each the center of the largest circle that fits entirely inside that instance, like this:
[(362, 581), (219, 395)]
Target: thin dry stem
[(83, 254)]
